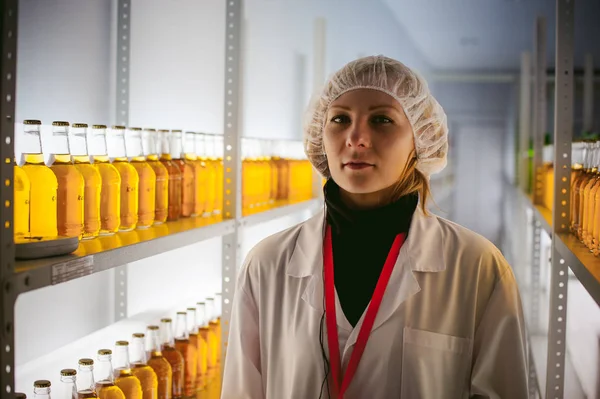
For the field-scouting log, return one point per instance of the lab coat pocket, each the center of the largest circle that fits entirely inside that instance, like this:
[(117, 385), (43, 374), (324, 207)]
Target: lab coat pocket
[(434, 366)]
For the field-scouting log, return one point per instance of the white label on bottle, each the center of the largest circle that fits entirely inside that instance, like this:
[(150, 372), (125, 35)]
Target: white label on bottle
[(72, 269)]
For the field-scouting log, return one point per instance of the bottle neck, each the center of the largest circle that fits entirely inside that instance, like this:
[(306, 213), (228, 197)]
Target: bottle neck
[(85, 378), (41, 393), (81, 159), (97, 142), (209, 311), (34, 159), (176, 146), (31, 142), (189, 146), (78, 143), (181, 331), (201, 315), (166, 334), (138, 354), (69, 387), (149, 144), (133, 145), (121, 360), (61, 159), (192, 328), (200, 146), (115, 141), (104, 369), (60, 141), (153, 341)]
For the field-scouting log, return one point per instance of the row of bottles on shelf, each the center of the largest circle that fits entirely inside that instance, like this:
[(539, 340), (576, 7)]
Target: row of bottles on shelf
[(154, 365)]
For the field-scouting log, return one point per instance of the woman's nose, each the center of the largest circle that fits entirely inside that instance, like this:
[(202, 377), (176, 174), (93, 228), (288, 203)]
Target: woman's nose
[(359, 135)]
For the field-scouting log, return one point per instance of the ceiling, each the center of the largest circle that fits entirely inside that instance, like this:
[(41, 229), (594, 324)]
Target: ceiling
[(491, 34)]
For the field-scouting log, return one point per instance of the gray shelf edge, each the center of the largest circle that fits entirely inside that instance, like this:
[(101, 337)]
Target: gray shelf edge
[(279, 212), (57, 270), (536, 212)]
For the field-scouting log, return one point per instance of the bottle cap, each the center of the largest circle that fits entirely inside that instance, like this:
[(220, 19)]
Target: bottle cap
[(166, 320), (32, 122), (104, 352), (42, 384), (138, 335), (136, 129), (80, 125), (122, 343), (118, 127), (68, 372), (60, 123), (86, 362), (152, 328), (98, 126)]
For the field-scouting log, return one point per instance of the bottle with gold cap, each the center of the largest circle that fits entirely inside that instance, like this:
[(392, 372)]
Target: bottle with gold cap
[(147, 178), (175, 176), (68, 389), (201, 175), (140, 367), (43, 183), (20, 395), (110, 198), (71, 186), (129, 178), (190, 356), (159, 364), (193, 339), (86, 387), (41, 389), (92, 180), (218, 162), (105, 383), (213, 338), (173, 356), (218, 311), (149, 143), (124, 378), (209, 148), (202, 377), (21, 192), (187, 173), (189, 154)]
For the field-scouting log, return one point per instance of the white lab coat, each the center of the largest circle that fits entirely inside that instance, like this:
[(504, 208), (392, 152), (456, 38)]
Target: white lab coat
[(450, 324)]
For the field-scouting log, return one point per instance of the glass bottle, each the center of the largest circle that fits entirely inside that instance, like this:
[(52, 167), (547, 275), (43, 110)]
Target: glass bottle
[(190, 357), (585, 194), (190, 158), (20, 395), (175, 176), (591, 201), (209, 148), (68, 384), (213, 339), (147, 178), (86, 387), (141, 369), (159, 364), (202, 376), (202, 173), (129, 178), (218, 310), (44, 186), (21, 192), (124, 378), (219, 149), (149, 144), (187, 173), (71, 186), (173, 356), (575, 189), (78, 147), (193, 339), (105, 384), (41, 389), (110, 193)]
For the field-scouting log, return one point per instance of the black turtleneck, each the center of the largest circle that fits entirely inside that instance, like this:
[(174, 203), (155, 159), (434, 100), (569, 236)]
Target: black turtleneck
[(361, 240)]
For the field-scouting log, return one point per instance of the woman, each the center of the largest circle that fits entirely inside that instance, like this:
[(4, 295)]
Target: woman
[(376, 298)]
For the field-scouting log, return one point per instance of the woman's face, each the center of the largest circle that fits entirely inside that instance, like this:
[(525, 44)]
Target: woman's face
[(368, 141)]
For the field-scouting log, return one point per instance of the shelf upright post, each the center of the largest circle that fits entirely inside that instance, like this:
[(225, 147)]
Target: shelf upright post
[(122, 118), (524, 119), (232, 165), (539, 107), (8, 78), (588, 94), (563, 136), (319, 62)]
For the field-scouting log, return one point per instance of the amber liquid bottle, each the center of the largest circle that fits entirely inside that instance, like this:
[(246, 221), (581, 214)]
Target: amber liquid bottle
[(124, 378), (202, 172), (129, 178), (575, 188), (173, 356), (219, 174), (110, 193), (190, 357), (86, 387), (68, 384), (41, 389), (141, 369), (193, 343), (213, 339), (105, 384), (159, 364), (175, 175), (203, 330), (71, 186), (22, 189), (92, 180), (211, 180), (149, 143), (187, 174), (147, 178), (584, 194), (588, 235), (190, 158), (43, 183)]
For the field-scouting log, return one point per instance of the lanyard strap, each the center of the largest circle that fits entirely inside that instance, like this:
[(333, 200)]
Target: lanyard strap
[(369, 320)]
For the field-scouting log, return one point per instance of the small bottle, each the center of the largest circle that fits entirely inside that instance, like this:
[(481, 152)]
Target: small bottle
[(20, 395), (218, 162), (41, 389), (159, 364), (217, 317), (105, 385), (211, 181), (124, 378), (187, 173), (189, 352), (140, 367), (175, 176), (86, 387), (68, 384), (71, 186), (189, 154), (202, 378), (78, 146), (213, 338), (129, 178), (147, 178), (173, 356), (44, 186), (21, 192), (110, 198), (149, 143), (193, 338)]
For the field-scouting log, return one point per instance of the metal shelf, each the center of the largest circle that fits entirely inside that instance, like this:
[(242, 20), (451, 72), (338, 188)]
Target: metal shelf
[(279, 212), (108, 252)]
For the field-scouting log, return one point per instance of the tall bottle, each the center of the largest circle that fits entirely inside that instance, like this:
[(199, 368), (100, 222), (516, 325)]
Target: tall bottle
[(190, 356), (594, 184), (149, 144), (71, 186), (124, 378), (110, 198), (173, 356), (193, 337), (218, 311), (105, 383), (159, 364), (41, 389), (86, 387), (209, 148), (203, 330), (147, 178), (175, 175), (21, 192), (190, 157), (129, 178), (201, 175), (78, 146), (68, 384), (140, 367), (213, 339), (187, 173), (218, 162), (44, 186), (584, 193)]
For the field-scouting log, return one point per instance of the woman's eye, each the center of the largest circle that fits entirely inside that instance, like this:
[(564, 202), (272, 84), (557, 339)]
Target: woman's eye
[(340, 119), (380, 119)]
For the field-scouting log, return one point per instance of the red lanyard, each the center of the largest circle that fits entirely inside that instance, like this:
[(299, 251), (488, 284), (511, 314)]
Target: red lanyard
[(367, 325)]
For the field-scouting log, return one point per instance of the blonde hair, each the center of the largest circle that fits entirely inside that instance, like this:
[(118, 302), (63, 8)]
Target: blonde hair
[(412, 181)]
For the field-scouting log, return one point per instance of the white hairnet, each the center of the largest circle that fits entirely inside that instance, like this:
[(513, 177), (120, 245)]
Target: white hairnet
[(424, 113)]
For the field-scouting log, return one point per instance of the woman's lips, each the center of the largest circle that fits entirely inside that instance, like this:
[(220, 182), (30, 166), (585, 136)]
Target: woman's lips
[(357, 165)]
